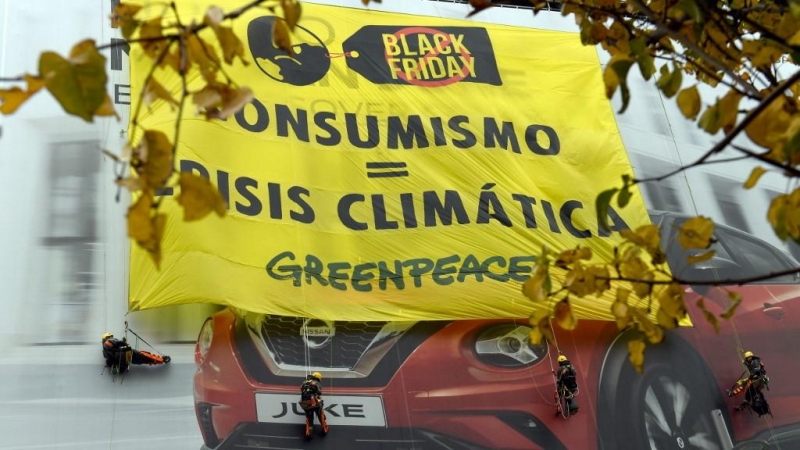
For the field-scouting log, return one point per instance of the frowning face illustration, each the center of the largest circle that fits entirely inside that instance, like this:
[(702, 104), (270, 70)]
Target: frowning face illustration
[(307, 64)]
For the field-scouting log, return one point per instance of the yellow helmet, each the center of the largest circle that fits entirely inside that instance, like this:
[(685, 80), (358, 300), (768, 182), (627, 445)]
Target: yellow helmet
[(317, 375), (748, 354), (562, 358), (107, 335)]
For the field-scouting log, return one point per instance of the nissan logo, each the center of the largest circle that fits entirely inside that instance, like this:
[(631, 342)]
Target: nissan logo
[(317, 333)]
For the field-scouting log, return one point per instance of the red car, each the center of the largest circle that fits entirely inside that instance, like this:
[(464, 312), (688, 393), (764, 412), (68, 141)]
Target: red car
[(478, 384)]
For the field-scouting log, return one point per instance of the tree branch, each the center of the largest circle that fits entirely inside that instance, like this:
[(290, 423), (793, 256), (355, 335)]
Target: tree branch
[(788, 169), (735, 132), (692, 46), (725, 282)]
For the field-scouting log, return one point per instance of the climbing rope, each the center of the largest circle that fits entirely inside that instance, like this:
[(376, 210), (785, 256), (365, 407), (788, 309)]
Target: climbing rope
[(139, 338)]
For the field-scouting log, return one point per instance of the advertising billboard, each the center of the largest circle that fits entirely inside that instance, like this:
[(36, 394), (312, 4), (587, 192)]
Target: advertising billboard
[(399, 167)]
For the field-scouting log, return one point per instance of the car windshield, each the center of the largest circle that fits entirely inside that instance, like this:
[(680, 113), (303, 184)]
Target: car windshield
[(736, 256)]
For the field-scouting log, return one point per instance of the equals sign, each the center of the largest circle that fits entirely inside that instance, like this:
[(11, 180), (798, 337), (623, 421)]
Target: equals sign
[(386, 169)]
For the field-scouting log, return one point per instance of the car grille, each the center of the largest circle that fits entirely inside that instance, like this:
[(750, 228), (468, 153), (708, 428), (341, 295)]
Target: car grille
[(272, 349), (285, 339)]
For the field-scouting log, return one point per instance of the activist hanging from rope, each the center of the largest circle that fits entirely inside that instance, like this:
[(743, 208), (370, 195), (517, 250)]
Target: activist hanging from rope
[(119, 355)]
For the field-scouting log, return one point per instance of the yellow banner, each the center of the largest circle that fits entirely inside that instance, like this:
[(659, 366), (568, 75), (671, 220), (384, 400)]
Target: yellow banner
[(395, 167)]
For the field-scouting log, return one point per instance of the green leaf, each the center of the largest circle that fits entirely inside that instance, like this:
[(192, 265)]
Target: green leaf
[(644, 59), (77, 83), (624, 196), (602, 203), (670, 82), (621, 68), (711, 120), (689, 102), (792, 146), (754, 177), (615, 75)]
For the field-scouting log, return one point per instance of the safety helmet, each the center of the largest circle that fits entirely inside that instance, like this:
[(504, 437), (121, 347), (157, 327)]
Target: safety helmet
[(107, 335), (748, 354), (317, 375), (562, 358)]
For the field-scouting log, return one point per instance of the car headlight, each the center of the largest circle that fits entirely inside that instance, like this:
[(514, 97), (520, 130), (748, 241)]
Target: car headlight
[(508, 345), (204, 339)]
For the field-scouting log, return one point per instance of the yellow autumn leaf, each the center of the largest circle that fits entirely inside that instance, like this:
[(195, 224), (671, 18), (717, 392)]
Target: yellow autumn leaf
[(579, 281), (670, 298), (153, 90), (291, 12), (736, 299), (147, 228), (570, 256), (708, 315), (653, 332), (535, 336), (233, 102), (202, 54), (219, 101), (564, 316), (762, 53), (694, 259), (281, 36), (755, 175), (689, 102), (540, 327), (140, 226), (124, 16), (600, 278), (154, 246), (132, 184), (154, 158), (598, 31), (106, 109), (646, 236), (231, 45), (620, 309), (729, 110), (649, 237), (768, 127), (636, 354), (795, 39), (151, 34), (776, 216), (199, 197), (534, 287), (696, 233), (711, 120), (666, 321), (11, 99)]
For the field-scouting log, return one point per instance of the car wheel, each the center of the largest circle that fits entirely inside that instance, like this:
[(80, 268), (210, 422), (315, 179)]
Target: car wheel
[(674, 404)]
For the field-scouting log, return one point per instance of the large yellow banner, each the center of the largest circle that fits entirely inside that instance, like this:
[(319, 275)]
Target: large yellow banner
[(395, 167)]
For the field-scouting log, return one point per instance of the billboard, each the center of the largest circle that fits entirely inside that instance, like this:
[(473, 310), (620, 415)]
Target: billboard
[(398, 167)]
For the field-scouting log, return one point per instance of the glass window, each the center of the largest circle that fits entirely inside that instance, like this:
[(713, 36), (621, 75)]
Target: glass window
[(729, 195), (759, 257)]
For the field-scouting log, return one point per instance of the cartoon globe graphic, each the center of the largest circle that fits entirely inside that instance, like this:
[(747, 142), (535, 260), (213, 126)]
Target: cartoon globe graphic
[(308, 63)]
